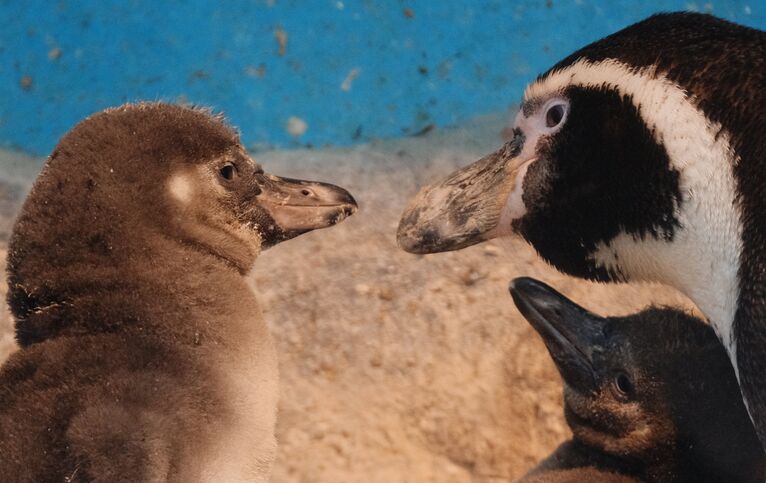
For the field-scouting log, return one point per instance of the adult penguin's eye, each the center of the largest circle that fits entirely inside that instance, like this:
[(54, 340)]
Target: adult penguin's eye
[(228, 171), (554, 115)]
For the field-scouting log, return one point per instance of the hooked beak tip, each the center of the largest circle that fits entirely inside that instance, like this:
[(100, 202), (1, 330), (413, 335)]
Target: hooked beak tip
[(344, 212), (348, 201), (418, 242)]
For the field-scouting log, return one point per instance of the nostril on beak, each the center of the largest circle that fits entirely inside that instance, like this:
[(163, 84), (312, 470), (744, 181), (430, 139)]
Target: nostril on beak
[(306, 192)]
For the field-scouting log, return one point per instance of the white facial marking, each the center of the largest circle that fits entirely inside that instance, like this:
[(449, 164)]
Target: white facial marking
[(514, 207), (542, 122), (180, 187), (703, 258)]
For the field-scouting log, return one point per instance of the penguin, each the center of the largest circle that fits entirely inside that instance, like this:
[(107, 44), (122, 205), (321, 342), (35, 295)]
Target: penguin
[(144, 355), (640, 157), (649, 397)]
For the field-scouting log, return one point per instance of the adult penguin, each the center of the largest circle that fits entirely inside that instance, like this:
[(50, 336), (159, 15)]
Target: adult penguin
[(639, 157)]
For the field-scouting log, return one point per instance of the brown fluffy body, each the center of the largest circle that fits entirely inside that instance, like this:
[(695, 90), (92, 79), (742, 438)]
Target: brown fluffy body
[(144, 353)]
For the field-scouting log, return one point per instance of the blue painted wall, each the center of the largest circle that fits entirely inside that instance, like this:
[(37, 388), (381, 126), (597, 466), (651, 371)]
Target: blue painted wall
[(406, 65)]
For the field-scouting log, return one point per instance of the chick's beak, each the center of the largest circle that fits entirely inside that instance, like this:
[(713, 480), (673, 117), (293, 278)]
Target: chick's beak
[(297, 206), (570, 332)]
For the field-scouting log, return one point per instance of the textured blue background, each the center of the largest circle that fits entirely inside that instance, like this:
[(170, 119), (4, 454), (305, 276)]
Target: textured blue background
[(419, 62)]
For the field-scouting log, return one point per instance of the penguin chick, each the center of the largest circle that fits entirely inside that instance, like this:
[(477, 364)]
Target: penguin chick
[(648, 397), (144, 355), (640, 157)]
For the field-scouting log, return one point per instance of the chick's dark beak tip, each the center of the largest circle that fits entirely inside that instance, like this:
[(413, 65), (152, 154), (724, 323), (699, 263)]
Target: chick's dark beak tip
[(525, 286), (345, 212), (348, 198)]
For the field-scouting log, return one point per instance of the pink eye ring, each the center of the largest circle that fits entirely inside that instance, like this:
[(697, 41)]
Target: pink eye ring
[(554, 115)]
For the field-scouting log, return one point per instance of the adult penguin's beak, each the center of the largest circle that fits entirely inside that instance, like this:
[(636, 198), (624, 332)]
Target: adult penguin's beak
[(469, 206)]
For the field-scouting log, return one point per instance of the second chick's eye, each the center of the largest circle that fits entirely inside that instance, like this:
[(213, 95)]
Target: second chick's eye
[(228, 171), (623, 384)]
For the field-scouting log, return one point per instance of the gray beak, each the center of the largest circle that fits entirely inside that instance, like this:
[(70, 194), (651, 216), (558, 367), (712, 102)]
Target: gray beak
[(462, 210)]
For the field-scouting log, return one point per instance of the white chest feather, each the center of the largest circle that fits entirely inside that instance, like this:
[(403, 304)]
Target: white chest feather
[(245, 449)]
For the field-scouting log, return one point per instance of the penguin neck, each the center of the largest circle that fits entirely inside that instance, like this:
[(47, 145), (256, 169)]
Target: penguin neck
[(702, 259), (236, 247), (201, 300), (189, 275), (700, 265), (148, 289)]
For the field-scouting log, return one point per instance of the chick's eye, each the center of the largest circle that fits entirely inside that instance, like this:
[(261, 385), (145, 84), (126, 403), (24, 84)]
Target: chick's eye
[(228, 171), (554, 115), (623, 384)]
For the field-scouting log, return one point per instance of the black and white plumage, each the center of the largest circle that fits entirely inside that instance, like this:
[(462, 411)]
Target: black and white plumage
[(638, 157)]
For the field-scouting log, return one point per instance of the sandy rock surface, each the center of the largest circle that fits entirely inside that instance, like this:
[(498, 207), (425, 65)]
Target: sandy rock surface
[(396, 367)]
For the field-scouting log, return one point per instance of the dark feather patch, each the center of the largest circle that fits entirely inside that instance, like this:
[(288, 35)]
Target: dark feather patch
[(602, 174)]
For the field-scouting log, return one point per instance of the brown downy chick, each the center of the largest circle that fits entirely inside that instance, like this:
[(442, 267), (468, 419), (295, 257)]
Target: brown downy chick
[(144, 355)]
